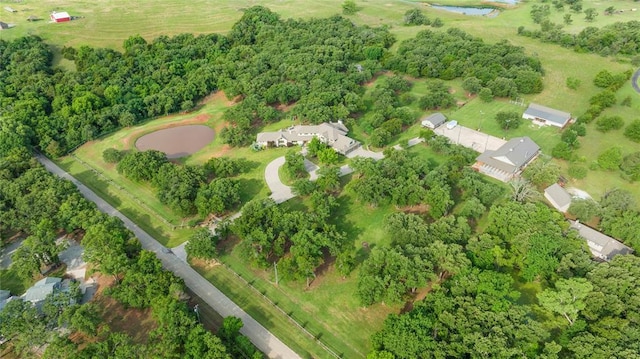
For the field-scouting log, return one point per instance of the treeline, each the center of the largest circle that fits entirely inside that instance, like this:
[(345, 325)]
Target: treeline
[(477, 313), (41, 206), (108, 89), (317, 64), (186, 189), (618, 38), (475, 306), (502, 68), (298, 241)]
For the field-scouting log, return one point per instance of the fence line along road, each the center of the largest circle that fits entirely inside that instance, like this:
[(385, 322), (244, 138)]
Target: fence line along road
[(259, 335)]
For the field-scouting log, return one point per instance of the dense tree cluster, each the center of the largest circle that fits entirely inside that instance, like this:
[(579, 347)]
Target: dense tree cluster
[(617, 38), (501, 67), (471, 315), (186, 189), (42, 206), (299, 242), (107, 90), (319, 64)]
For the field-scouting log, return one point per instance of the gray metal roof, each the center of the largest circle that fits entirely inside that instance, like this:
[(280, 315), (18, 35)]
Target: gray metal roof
[(4, 294), (41, 289), (548, 114), (512, 156), (435, 119), (558, 194), (600, 244)]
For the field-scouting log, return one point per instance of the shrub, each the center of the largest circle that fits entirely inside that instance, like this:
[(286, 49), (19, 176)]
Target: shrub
[(577, 172), (573, 83), (608, 123), (631, 166), (111, 155), (610, 159), (632, 131)]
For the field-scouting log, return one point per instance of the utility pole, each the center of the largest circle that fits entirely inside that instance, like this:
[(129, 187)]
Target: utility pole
[(275, 268)]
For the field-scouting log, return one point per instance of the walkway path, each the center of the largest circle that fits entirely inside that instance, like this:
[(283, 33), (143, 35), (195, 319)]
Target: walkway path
[(634, 81), (260, 336), (279, 191)]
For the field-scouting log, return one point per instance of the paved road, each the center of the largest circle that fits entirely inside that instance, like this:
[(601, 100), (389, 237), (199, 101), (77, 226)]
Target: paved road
[(279, 191), (261, 337), (634, 81)]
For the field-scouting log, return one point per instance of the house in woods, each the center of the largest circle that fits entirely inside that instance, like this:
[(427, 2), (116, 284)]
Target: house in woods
[(602, 246), (559, 198), (39, 292), (334, 134), (509, 160), (546, 116), (60, 16), (5, 296), (433, 121)]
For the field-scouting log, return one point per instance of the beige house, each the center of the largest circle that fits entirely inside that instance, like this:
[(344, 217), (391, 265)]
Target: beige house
[(509, 160), (334, 134), (601, 246)]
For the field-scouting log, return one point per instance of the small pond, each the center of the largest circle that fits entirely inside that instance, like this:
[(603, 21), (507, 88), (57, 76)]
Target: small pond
[(177, 142), (465, 10)]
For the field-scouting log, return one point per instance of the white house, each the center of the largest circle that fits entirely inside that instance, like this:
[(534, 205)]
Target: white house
[(546, 116), (334, 134), (509, 160), (601, 245), (433, 121)]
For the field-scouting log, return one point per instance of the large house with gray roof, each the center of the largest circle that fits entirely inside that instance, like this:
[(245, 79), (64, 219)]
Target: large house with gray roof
[(39, 292), (509, 160), (546, 116), (601, 246), (334, 134)]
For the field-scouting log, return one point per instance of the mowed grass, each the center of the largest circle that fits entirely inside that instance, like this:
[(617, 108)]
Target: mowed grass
[(137, 200), (10, 281)]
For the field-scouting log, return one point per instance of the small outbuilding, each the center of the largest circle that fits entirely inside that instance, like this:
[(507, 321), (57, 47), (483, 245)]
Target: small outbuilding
[(434, 120), (60, 16), (546, 116), (559, 198), (10, 9), (4, 25), (601, 245)]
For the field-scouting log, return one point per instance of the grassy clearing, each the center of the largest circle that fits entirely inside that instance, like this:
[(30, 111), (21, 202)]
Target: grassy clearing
[(10, 281)]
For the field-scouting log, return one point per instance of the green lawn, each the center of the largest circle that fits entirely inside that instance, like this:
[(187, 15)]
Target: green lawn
[(10, 281)]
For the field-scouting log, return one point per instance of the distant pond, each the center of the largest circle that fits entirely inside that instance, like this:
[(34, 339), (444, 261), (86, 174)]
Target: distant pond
[(177, 142), (464, 10)]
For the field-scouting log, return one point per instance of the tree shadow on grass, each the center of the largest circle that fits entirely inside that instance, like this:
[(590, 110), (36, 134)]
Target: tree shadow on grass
[(249, 189)]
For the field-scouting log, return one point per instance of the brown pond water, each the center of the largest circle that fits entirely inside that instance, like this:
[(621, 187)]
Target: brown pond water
[(177, 142)]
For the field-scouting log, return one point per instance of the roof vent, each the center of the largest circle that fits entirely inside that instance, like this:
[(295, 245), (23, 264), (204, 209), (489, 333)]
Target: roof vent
[(522, 139)]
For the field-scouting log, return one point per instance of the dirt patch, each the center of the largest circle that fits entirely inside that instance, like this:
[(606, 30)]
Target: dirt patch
[(204, 264), (136, 323), (417, 209), (419, 295)]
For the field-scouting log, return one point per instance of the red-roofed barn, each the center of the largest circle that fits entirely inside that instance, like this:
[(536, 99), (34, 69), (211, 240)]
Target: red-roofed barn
[(60, 16)]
